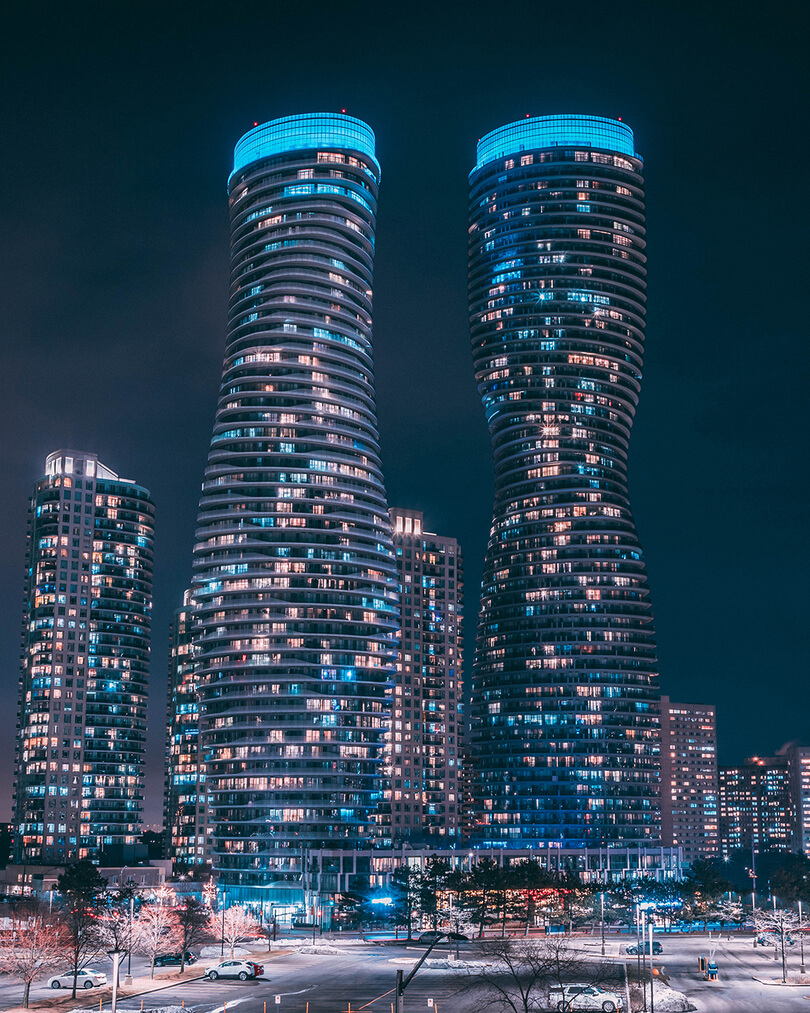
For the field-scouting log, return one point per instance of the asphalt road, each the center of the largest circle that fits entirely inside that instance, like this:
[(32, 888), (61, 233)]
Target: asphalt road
[(737, 962), (361, 980)]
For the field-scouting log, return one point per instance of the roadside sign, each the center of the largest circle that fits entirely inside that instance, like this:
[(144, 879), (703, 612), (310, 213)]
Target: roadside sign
[(430, 1002), (278, 1000)]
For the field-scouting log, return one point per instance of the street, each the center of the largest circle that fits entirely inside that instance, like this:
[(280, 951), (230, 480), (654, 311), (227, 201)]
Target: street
[(361, 979)]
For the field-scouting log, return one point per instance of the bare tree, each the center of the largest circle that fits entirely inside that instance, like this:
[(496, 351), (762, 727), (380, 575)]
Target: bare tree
[(529, 976), (156, 929), (238, 925), (194, 922), (35, 949), (81, 887), (778, 924), (113, 928)]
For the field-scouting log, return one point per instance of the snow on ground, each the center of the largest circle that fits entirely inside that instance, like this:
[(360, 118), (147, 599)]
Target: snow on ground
[(162, 1009), (667, 1000)]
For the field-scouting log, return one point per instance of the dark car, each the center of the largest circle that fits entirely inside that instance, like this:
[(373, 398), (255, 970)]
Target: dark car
[(170, 959), (634, 948), (439, 937)]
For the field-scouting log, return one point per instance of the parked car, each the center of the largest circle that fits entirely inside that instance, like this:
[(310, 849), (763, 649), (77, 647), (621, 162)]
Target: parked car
[(774, 939), (166, 959), (86, 978), (241, 969), (584, 997), (634, 948), (431, 937)]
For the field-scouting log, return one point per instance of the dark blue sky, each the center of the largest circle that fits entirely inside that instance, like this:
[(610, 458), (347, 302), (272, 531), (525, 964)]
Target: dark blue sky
[(118, 125)]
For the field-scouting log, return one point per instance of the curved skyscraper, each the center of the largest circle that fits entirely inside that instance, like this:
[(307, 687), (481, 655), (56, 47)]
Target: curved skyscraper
[(294, 581), (564, 688)]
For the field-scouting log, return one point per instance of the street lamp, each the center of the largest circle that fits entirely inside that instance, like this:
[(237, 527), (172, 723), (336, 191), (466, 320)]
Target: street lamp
[(801, 939), (116, 955), (602, 895), (222, 946)]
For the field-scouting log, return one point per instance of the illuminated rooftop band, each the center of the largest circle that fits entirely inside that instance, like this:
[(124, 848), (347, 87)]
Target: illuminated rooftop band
[(308, 130), (553, 131)]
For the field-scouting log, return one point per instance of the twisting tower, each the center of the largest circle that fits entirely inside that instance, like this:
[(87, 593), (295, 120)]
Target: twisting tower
[(564, 686), (294, 583)]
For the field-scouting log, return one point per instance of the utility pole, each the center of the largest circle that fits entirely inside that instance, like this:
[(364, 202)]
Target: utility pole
[(603, 922), (403, 982)]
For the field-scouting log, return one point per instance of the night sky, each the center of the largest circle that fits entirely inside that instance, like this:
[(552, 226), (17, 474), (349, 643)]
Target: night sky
[(118, 126)]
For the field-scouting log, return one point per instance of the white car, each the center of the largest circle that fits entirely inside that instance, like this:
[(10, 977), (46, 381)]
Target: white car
[(580, 997), (241, 969), (86, 978)]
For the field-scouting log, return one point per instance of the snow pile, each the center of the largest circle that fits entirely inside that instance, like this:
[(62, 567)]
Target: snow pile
[(454, 964), (321, 948), (212, 953), (667, 1000), (156, 1009), (299, 942)]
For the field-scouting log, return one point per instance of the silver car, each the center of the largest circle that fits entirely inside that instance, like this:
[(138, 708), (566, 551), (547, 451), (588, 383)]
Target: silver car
[(241, 969), (86, 978), (570, 998)]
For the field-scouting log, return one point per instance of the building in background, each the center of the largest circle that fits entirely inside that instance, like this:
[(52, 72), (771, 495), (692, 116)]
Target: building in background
[(565, 725), (294, 585), (757, 812), (689, 790), (425, 748), (85, 664), (185, 800)]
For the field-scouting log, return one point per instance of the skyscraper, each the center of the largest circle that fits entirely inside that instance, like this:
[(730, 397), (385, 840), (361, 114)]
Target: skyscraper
[(564, 683), (426, 718), (294, 583), (85, 662), (689, 790), (186, 800)]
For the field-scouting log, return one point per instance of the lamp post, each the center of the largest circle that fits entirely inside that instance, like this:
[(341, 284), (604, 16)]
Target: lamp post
[(644, 957), (603, 922), (222, 944), (652, 994), (128, 979), (801, 940), (116, 955)]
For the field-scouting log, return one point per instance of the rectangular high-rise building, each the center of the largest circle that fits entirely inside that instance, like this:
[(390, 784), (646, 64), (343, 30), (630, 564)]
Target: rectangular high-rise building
[(799, 767), (185, 804), (756, 806), (85, 663), (689, 790), (426, 717)]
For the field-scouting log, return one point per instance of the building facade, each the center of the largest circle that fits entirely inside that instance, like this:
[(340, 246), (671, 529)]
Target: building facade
[(757, 811), (425, 755), (689, 788), (85, 663), (185, 800), (294, 582), (799, 768), (565, 720)]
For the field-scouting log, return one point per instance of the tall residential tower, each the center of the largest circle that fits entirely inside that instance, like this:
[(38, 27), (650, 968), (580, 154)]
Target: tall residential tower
[(294, 583), (689, 788), (564, 684), (426, 719), (85, 663)]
